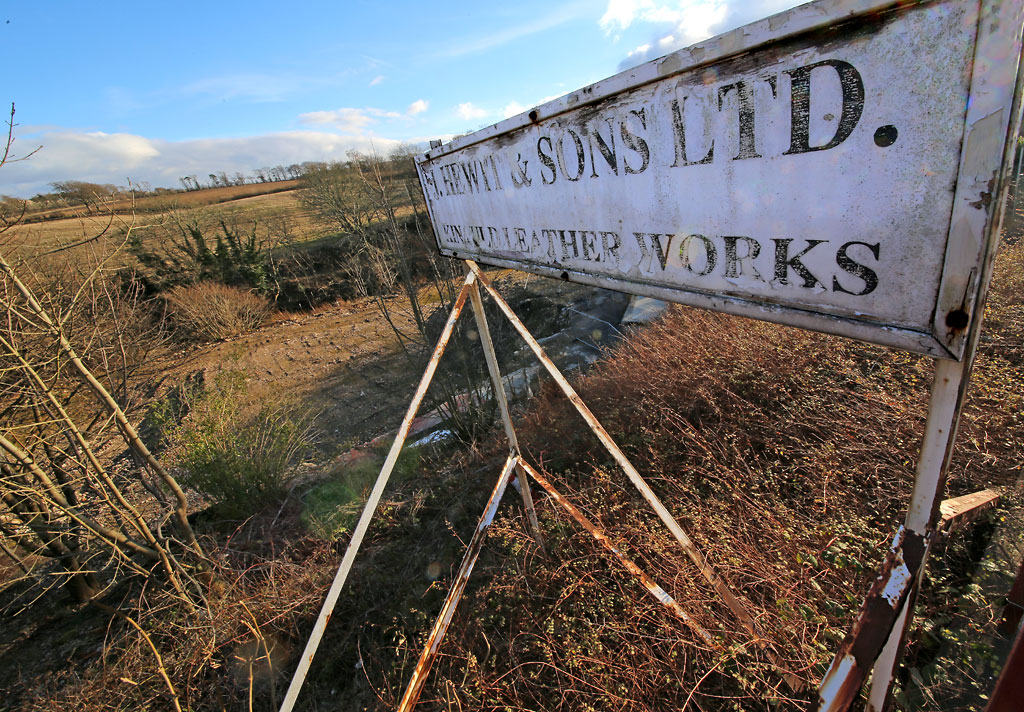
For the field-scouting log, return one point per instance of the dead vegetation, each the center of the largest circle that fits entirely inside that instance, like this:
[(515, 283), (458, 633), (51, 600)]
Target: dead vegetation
[(786, 455)]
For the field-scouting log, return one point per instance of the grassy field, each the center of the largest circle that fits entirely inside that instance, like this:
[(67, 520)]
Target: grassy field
[(162, 203), (280, 212)]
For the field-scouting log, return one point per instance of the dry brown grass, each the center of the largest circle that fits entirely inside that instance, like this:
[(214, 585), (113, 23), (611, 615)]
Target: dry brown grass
[(210, 310), (278, 211), (787, 456), (160, 203)]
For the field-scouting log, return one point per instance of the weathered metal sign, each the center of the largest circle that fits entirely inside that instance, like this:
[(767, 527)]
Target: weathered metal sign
[(835, 167)]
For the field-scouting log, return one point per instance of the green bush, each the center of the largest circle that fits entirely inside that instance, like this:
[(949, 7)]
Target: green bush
[(238, 462)]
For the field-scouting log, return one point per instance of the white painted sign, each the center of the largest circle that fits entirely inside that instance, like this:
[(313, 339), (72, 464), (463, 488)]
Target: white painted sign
[(834, 167)]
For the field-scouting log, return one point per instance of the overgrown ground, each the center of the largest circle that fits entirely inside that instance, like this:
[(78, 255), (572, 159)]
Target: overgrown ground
[(786, 455)]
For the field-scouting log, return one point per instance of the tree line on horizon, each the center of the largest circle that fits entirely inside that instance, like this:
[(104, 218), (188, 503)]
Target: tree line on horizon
[(68, 193)]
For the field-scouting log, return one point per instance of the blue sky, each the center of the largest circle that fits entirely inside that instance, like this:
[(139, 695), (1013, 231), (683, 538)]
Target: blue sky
[(153, 92)]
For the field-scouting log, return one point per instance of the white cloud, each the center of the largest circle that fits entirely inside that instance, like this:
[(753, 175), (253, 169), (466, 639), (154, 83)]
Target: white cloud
[(116, 158), (681, 23), (350, 121), (460, 47), (513, 108), (376, 80), (470, 112), (623, 13), (417, 107)]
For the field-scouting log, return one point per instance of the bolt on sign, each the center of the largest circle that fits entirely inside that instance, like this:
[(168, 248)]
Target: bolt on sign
[(831, 167)]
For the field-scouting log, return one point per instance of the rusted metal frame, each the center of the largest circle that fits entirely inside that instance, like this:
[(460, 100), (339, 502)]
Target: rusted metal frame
[(371, 504), (444, 619), (953, 513), (1014, 605), (999, 29), (652, 499), (875, 641), (877, 616), (498, 388), (657, 591)]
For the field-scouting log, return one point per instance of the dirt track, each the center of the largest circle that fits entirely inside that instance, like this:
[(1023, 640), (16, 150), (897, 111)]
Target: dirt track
[(343, 360)]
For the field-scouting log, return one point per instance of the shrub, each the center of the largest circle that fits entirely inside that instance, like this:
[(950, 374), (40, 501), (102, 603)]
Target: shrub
[(209, 310), (237, 462)]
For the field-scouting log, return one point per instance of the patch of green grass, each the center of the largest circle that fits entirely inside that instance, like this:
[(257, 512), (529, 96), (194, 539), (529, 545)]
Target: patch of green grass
[(331, 507)]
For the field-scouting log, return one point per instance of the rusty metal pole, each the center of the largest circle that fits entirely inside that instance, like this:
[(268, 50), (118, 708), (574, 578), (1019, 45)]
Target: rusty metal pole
[(650, 584), (444, 619), (666, 517), (498, 388), (371, 504), (929, 480)]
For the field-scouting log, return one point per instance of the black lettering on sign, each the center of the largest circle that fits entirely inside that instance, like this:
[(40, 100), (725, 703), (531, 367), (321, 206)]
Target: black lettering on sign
[(646, 252), (734, 260), (784, 263), (548, 162), (431, 182), (520, 238), (679, 132), (853, 105), (607, 149), (710, 254), (866, 274), (745, 98), (611, 243), (476, 234), (483, 175), (581, 161), (550, 235), (472, 179), (494, 172), (589, 248), (448, 185), (566, 241), (635, 143), (534, 241), (518, 171)]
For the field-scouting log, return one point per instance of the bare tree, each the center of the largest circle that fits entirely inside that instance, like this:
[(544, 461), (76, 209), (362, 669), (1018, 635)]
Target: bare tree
[(65, 350)]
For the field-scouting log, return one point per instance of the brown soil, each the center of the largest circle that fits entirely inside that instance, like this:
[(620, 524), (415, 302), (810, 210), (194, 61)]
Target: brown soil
[(342, 360)]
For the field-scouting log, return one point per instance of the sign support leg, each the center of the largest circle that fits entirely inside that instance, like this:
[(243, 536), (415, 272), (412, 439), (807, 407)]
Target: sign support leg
[(371, 504), (876, 640), (419, 675), (922, 516), (498, 388), (666, 517)]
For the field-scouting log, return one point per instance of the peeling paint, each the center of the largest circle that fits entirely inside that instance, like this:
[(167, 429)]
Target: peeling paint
[(985, 134), (896, 585)]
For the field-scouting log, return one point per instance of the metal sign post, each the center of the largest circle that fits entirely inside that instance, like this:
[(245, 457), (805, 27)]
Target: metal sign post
[(837, 167)]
